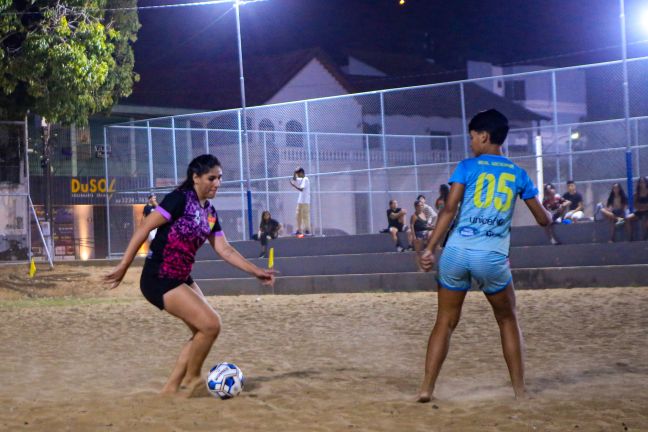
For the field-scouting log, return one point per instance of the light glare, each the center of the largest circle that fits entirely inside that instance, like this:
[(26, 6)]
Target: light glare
[(643, 21)]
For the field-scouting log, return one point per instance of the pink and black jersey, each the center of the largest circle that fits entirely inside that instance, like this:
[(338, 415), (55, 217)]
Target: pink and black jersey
[(189, 225)]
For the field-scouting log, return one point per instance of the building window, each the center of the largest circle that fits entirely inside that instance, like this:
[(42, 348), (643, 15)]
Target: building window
[(10, 155), (515, 90), (295, 136), (438, 140), (267, 127), (373, 130)]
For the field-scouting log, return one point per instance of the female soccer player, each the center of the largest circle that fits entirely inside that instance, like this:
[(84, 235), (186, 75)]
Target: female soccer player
[(486, 186), (185, 219)]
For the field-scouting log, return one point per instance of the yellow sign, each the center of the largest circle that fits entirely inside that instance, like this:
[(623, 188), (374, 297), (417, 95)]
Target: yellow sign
[(92, 186), (32, 268), (271, 258)]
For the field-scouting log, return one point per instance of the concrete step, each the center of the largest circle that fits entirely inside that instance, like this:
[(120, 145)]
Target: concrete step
[(565, 277), (585, 255), (390, 262), (580, 233)]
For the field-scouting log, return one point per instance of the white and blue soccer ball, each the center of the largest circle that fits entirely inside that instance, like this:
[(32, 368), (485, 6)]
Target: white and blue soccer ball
[(225, 380)]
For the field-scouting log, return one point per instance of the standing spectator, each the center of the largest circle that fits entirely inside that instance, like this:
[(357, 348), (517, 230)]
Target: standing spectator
[(575, 211), (396, 223), (616, 211), (557, 206), (419, 228), (430, 213), (440, 202), (148, 208), (268, 230), (641, 207), (300, 182)]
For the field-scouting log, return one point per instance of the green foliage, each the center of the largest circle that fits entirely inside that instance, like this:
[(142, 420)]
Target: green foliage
[(65, 62)]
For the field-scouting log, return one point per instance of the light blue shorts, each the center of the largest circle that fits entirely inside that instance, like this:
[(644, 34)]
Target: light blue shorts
[(490, 269)]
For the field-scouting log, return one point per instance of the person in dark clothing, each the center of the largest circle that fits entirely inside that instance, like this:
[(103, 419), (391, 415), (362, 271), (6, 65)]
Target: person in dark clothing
[(268, 230)]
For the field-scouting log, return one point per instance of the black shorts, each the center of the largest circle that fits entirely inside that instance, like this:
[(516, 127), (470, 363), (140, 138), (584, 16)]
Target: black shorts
[(154, 287)]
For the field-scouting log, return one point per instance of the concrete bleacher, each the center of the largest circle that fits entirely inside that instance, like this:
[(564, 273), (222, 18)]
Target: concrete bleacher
[(369, 263)]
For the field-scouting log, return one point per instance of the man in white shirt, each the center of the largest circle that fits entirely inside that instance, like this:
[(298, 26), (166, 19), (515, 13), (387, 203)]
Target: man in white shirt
[(300, 182)]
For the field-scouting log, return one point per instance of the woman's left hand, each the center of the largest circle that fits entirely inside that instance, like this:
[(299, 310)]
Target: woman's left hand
[(266, 276)]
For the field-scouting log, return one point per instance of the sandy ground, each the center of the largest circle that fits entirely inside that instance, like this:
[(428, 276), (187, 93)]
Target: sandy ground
[(77, 358)]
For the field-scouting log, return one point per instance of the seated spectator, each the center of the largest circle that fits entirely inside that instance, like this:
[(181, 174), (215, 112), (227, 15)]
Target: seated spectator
[(641, 207), (430, 213), (444, 191), (419, 227), (575, 210), (616, 211), (557, 206), (396, 223), (268, 229)]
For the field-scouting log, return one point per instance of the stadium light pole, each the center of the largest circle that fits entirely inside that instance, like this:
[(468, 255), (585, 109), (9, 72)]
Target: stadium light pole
[(626, 103)]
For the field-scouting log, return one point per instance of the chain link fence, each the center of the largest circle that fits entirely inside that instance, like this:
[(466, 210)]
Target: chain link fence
[(360, 151), (20, 233)]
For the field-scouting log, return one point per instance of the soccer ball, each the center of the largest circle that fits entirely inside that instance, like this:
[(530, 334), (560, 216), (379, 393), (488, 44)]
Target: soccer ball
[(225, 380)]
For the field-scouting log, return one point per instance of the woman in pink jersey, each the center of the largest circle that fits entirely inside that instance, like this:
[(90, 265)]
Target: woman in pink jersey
[(185, 219)]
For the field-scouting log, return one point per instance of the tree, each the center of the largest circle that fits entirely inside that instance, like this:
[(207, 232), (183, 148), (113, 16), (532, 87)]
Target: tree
[(65, 61)]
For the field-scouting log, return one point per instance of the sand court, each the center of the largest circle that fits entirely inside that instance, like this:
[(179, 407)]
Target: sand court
[(94, 360)]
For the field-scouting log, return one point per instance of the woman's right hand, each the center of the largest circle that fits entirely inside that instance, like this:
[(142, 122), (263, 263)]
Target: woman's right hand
[(115, 277)]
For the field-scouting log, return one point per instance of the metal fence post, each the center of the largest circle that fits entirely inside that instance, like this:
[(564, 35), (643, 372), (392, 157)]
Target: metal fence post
[(626, 105), (382, 128), (265, 167), (105, 136), (554, 101), (241, 180), (447, 149), (150, 154), (175, 153), (319, 187), (371, 221), (571, 156), (464, 123), (416, 179)]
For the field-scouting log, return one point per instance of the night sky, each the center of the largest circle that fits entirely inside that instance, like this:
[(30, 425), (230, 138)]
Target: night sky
[(556, 32)]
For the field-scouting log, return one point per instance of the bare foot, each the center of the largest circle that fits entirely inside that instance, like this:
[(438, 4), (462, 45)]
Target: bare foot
[(521, 395), (424, 397), (168, 391), (195, 387)]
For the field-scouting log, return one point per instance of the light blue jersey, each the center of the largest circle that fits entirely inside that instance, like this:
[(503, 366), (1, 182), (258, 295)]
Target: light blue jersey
[(492, 184)]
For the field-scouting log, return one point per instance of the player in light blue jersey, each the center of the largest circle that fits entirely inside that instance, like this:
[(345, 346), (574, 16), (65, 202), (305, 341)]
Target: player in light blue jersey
[(486, 186)]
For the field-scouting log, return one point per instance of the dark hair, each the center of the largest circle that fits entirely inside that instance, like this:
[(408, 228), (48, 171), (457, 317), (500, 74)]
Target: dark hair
[(548, 186), (392, 201), (263, 213), (199, 166), (151, 195), (444, 191), (417, 202), (645, 180), (622, 195), (419, 197), (493, 122), (570, 182), (300, 170)]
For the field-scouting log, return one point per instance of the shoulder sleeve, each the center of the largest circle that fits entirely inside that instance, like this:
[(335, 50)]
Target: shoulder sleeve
[(526, 188), (460, 174), (172, 206), (214, 222)]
